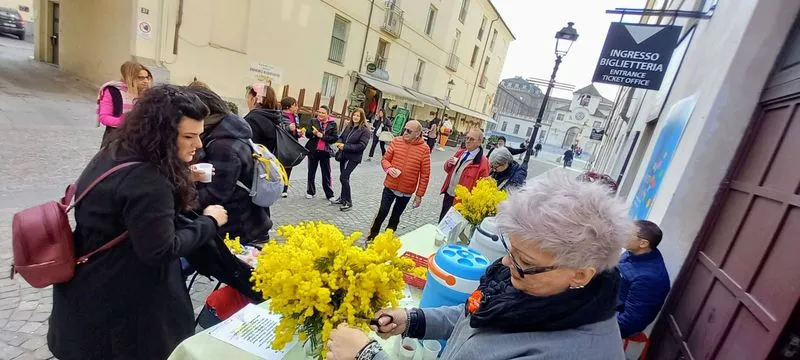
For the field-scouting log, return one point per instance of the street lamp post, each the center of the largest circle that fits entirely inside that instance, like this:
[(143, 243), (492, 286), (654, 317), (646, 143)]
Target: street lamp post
[(564, 39)]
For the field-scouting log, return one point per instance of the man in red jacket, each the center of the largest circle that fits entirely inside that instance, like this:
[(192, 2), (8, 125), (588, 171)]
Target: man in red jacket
[(465, 168)]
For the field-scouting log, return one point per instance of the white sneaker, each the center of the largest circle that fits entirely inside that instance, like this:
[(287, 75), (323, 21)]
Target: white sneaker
[(284, 195), (309, 196), (331, 199)]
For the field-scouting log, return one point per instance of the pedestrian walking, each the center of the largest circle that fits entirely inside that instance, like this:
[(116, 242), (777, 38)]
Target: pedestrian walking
[(351, 145), (321, 134), (568, 156), (433, 134), (289, 107), (226, 146), (537, 149), (264, 117), (407, 164), (465, 168), (380, 124), (130, 301), (116, 98)]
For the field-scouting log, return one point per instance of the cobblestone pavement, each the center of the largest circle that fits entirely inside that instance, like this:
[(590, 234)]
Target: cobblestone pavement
[(49, 134)]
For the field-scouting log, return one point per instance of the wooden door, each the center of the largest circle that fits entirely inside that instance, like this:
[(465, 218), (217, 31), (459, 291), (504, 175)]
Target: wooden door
[(742, 283)]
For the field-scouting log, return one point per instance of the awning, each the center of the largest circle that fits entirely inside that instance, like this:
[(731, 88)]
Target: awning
[(426, 99), (389, 90), (470, 112)]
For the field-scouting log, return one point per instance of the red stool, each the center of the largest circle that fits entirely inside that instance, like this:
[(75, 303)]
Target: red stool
[(638, 338)]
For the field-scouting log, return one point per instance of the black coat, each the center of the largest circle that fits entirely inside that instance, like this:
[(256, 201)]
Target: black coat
[(355, 141), (384, 124), (129, 302), (264, 124), (329, 135), (513, 177), (226, 147)]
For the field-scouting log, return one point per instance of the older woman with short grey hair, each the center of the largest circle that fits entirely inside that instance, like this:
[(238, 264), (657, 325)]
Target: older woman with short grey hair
[(553, 296), (507, 172)]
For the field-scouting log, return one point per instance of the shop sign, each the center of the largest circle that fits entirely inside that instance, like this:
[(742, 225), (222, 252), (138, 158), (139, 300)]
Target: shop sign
[(636, 55), (266, 73), (596, 134)]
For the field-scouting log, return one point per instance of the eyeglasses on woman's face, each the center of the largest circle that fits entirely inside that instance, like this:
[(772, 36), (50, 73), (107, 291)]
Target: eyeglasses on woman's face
[(527, 271)]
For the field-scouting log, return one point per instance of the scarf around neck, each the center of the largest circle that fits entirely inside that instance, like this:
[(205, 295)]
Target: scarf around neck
[(505, 308)]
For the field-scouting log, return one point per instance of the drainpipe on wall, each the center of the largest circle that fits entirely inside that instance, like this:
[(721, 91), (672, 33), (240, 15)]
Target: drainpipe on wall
[(481, 63), (163, 37), (178, 23), (366, 36)]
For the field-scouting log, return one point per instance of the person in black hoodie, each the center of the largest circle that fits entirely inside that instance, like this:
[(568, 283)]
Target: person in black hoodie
[(226, 146), (321, 134), (380, 123), (264, 117), (352, 143), (289, 110)]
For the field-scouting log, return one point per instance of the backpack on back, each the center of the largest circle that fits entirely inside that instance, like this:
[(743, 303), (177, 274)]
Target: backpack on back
[(42, 239), (269, 177)]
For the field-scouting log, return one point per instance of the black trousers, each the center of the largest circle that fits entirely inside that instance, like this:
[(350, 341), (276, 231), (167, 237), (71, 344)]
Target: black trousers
[(288, 176), (387, 199), (431, 143), (375, 142), (447, 203), (321, 159), (346, 167)]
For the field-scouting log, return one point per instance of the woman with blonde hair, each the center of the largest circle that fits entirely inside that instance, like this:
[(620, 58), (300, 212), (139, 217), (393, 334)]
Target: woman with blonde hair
[(116, 98), (352, 143)]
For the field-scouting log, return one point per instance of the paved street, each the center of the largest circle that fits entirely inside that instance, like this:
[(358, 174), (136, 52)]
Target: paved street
[(47, 120)]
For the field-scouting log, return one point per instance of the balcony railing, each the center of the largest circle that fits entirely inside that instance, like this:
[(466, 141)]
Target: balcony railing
[(336, 52), (452, 62), (483, 81), (393, 20), (381, 62), (417, 81)]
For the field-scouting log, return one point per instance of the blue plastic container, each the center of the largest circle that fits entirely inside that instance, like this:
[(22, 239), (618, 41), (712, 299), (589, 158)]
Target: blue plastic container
[(453, 274)]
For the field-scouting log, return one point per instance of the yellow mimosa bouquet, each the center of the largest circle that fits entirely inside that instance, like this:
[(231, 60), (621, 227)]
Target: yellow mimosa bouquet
[(318, 279), (479, 203)]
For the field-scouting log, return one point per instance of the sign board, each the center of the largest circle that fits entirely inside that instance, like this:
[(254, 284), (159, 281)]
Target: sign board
[(636, 55), (144, 29), (597, 134), (399, 123), (266, 73), (667, 144), (371, 67)]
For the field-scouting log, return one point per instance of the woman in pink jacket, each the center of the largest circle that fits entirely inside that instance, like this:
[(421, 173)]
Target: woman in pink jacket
[(116, 98)]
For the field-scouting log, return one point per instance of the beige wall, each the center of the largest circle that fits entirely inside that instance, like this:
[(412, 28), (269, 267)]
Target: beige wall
[(96, 37)]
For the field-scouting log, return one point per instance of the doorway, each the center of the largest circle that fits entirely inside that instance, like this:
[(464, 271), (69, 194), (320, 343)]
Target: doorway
[(53, 35), (570, 137)]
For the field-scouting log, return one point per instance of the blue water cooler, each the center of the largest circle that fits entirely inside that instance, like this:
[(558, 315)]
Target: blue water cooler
[(454, 272)]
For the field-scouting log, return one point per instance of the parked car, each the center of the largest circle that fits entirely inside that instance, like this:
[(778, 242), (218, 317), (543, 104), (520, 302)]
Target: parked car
[(11, 23)]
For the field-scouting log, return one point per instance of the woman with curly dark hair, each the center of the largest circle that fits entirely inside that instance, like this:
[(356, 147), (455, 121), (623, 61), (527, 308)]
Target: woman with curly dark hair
[(130, 302)]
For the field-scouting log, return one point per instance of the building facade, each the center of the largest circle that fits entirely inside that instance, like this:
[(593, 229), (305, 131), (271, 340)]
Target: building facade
[(383, 53), (711, 157), (565, 122)]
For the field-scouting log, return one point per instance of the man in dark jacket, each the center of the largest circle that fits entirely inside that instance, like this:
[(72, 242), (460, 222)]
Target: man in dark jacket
[(226, 146), (501, 143), (645, 281), (321, 134)]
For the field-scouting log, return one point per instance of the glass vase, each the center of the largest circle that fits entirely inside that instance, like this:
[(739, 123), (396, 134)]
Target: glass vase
[(313, 347)]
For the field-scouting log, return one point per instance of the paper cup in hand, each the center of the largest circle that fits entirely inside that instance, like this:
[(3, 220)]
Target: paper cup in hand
[(207, 170), (431, 349)]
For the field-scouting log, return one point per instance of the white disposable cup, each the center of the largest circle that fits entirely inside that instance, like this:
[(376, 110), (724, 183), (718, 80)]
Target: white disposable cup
[(207, 170), (407, 349), (431, 349)]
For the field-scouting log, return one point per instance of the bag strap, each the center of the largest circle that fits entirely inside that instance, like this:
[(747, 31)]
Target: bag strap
[(100, 178), (114, 242)]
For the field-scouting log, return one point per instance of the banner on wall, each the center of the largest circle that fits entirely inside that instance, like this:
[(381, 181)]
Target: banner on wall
[(660, 159), (636, 55), (266, 73)]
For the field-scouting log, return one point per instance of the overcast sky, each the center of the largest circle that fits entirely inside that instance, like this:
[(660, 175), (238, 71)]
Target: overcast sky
[(535, 23)]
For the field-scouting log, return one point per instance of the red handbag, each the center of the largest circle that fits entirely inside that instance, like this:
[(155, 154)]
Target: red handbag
[(42, 240)]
